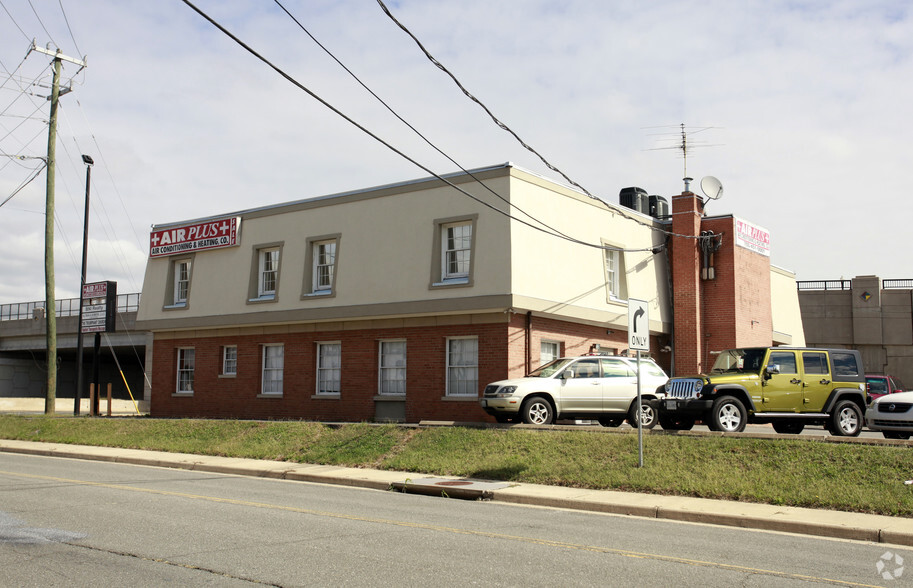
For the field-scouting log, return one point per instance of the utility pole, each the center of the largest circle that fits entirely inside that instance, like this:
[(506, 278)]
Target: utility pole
[(50, 310)]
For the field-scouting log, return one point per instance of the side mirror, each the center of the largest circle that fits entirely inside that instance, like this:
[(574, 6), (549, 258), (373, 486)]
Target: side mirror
[(772, 369), (566, 374)]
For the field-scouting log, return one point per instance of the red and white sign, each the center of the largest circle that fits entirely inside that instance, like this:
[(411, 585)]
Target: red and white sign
[(752, 237), (213, 234), (98, 307)]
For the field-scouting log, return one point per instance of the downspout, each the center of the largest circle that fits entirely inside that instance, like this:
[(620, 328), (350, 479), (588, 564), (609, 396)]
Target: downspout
[(529, 339), (671, 308)]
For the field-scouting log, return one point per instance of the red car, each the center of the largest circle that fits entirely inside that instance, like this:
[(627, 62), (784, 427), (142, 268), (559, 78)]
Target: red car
[(877, 385)]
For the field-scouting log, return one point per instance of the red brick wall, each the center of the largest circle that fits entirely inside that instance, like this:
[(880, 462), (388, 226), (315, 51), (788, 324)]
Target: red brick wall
[(686, 285), (502, 354)]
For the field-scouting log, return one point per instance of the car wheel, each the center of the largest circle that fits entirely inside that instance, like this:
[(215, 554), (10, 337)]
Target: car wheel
[(728, 415), (846, 420), (789, 427), (895, 435), (647, 413), (538, 411), (675, 423), (612, 421)]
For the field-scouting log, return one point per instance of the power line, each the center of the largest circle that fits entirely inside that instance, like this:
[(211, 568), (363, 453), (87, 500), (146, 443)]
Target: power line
[(411, 127), (5, 9), (503, 126), (360, 127), (42, 24), (67, 21)]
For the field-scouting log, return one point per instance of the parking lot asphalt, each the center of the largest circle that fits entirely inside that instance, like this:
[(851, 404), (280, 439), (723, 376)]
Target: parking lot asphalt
[(824, 523)]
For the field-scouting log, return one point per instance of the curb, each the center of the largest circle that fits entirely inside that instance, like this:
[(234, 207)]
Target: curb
[(804, 521)]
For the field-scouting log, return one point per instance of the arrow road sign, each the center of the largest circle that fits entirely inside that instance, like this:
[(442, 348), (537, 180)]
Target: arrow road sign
[(638, 325)]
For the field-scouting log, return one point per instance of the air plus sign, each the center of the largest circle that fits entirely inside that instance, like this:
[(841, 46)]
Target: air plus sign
[(225, 226), (155, 239)]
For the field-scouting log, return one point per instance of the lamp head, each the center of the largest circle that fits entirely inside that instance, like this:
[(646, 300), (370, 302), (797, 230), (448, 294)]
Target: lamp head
[(87, 160)]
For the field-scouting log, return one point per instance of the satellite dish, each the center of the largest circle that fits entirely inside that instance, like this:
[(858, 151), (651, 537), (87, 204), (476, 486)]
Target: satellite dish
[(711, 187)]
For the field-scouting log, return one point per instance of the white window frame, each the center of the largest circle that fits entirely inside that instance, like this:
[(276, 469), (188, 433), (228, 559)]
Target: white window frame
[(272, 369), (186, 360), (614, 267), (182, 269), (462, 387), (460, 252), (229, 360), (329, 377), (553, 353), (391, 380), (324, 261), (268, 265)]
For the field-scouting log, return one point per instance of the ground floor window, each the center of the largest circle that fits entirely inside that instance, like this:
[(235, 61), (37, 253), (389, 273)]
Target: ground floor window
[(548, 351), (392, 367), (273, 362), (329, 368), (462, 367), (229, 360), (185, 370)]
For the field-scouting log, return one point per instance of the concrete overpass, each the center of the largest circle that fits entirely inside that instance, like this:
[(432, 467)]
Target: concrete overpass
[(23, 357)]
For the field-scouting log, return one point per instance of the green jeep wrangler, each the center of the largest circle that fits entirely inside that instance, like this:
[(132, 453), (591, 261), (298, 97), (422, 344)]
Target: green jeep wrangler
[(789, 387)]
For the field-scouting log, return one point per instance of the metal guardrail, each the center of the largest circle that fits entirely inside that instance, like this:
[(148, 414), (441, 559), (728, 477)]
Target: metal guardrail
[(826, 285), (905, 284), (64, 307), (848, 285)]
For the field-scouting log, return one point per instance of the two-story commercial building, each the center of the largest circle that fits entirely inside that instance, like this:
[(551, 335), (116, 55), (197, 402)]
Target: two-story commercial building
[(401, 302)]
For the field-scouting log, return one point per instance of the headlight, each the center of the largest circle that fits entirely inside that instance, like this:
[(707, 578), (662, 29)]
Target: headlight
[(698, 384), (506, 391), (668, 386)]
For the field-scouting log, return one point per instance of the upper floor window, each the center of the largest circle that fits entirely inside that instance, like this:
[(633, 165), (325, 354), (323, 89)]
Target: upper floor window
[(454, 241), (456, 249), (181, 280), (269, 272), (264, 273), (321, 259), (324, 265), (186, 356), (177, 287), (616, 287)]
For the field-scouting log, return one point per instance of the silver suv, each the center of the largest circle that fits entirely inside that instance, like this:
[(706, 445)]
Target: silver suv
[(603, 388)]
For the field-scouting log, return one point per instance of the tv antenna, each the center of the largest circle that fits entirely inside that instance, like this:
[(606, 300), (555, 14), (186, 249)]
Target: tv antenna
[(684, 143)]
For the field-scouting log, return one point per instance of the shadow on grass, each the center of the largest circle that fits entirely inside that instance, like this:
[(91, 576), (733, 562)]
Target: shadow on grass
[(505, 474)]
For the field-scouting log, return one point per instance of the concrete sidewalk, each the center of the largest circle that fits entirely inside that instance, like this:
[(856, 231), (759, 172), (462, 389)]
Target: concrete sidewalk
[(825, 523)]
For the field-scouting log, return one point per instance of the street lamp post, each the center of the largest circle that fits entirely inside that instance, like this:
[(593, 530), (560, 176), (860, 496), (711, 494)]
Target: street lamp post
[(82, 282)]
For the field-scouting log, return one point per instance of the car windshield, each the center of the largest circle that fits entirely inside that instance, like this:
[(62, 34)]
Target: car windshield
[(739, 360), (549, 369)]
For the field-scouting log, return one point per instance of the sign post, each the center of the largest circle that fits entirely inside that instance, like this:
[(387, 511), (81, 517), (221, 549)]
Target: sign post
[(97, 314), (639, 340)]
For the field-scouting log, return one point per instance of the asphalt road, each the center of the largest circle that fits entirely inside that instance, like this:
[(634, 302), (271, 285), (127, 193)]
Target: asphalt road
[(75, 523)]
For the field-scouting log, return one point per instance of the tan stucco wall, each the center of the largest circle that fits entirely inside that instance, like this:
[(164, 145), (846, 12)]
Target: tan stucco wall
[(567, 279), (784, 306), (386, 254)]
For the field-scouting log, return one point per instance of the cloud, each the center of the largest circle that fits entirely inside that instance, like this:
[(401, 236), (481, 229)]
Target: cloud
[(807, 105)]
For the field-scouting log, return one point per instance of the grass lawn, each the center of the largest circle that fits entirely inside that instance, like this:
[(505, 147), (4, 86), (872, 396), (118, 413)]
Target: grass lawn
[(808, 473)]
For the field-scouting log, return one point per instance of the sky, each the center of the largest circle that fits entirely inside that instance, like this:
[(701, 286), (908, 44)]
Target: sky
[(802, 110)]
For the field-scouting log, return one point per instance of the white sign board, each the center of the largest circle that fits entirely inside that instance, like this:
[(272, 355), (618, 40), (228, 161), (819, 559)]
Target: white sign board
[(638, 325), (752, 237)]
